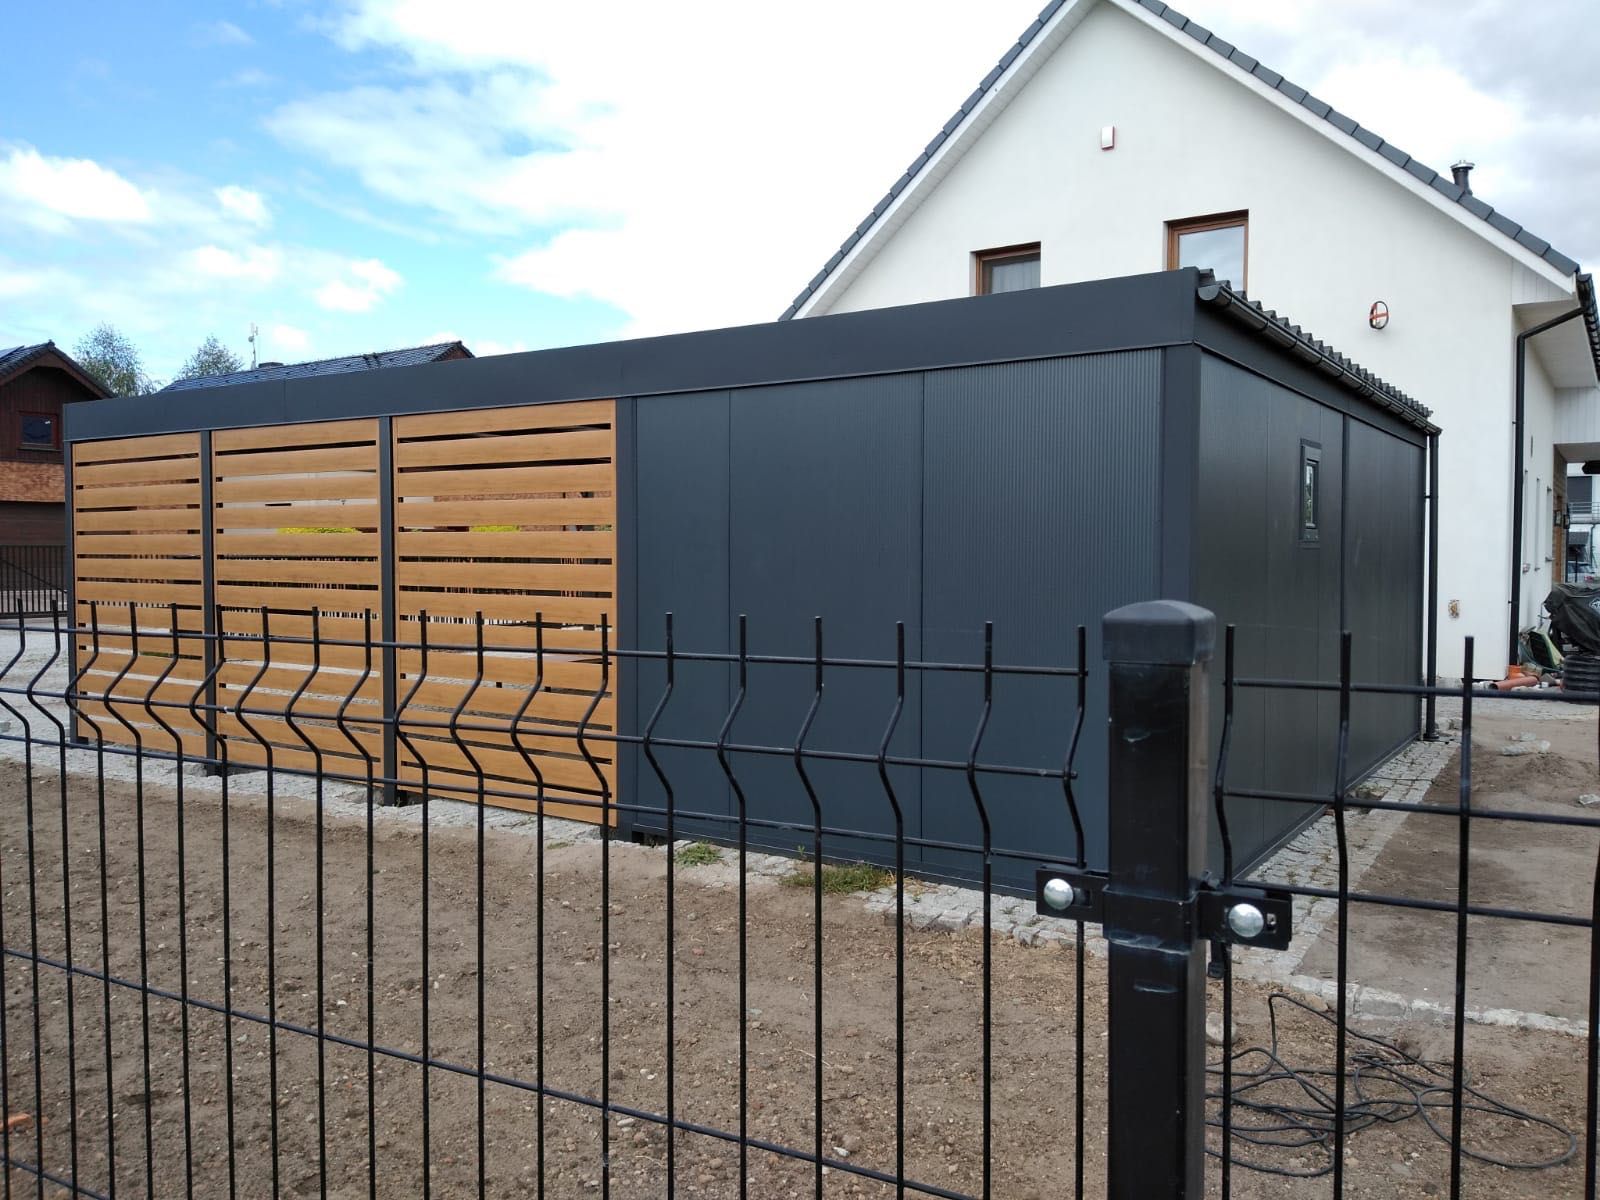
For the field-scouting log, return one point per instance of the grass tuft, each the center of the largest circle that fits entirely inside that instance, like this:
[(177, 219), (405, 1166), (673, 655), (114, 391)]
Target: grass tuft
[(698, 854), (842, 877)]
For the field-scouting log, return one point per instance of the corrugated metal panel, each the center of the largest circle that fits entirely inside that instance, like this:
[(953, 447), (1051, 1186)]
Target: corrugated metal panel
[(680, 524), (1289, 598), (1041, 514), (826, 521)]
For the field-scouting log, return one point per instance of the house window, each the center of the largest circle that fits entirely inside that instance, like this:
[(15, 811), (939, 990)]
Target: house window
[(1217, 242), (37, 431), (1310, 492), (1009, 269)]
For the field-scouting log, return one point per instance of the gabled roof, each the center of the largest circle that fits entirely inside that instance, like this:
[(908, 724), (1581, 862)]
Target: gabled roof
[(1443, 184), (17, 359), (409, 357)]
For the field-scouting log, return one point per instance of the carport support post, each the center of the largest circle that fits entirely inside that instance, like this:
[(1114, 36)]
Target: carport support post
[(1430, 721), (1158, 653)]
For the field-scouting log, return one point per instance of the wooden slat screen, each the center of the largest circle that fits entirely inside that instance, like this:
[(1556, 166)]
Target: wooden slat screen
[(508, 512), (295, 520), (137, 519)]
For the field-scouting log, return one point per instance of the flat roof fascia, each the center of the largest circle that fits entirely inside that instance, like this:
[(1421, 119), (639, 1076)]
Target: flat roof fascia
[(1128, 313)]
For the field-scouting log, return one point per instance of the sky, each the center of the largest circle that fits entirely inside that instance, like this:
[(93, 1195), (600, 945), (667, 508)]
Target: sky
[(366, 174)]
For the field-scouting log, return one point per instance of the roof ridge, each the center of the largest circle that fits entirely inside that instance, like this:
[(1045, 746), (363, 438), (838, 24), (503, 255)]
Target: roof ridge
[(1444, 185)]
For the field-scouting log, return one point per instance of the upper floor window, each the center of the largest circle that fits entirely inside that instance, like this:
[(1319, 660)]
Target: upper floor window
[(1008, 269), (37, 431), (1219, 242)]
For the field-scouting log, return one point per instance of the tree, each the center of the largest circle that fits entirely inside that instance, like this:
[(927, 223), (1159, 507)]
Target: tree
[(112, 359), (212, 358)]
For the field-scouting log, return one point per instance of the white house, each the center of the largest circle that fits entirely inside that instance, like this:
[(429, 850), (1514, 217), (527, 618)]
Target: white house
[(1117, 137)]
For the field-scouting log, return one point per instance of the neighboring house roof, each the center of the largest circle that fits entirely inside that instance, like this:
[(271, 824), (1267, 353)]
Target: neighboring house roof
[(1443, 184), (409, 357), (17, 359)]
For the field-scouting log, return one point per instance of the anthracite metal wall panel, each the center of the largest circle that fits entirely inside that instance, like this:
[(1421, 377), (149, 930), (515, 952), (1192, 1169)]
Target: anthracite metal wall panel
[(1385, 511), (1289, 597), (826, 504), (680, 535), (1041, 484)]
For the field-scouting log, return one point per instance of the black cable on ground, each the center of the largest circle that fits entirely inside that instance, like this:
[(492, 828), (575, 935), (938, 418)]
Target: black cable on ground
[(1281, 1109)]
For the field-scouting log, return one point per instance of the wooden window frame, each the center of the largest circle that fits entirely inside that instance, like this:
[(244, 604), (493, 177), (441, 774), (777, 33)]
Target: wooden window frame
[(1227, 220), (984, 258), (55, 432)]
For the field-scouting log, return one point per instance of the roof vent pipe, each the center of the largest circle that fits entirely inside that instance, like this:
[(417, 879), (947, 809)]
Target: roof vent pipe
[(1461, 172)]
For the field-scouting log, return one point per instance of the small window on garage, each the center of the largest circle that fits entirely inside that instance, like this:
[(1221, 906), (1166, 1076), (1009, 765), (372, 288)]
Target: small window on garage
[(1310, 492), (37, 431), (1007, 269)]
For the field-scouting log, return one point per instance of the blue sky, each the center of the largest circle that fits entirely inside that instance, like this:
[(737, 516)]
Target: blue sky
[(361, 174)]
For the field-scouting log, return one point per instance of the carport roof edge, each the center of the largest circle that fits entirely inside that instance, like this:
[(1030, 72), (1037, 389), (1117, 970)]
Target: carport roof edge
[(1138, 312)]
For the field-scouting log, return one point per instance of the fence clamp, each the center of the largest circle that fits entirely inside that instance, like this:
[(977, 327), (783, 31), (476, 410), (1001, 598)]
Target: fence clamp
[(1245, 916), (1240, 916)]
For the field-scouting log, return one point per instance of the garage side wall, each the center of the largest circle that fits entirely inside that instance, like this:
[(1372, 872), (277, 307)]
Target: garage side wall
[(1291, 580)]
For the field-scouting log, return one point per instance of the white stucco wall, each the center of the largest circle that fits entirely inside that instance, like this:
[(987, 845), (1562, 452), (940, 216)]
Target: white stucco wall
[(1328, 235)]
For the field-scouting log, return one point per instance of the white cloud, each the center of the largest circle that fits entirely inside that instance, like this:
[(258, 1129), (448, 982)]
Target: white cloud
[(252, 264), (358, 287), (222, 33), (243, 203), (627, 166), (699, 170), (287, 338), (54, 193)]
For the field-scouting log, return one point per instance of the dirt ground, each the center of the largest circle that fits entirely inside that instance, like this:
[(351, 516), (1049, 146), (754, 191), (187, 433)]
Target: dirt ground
[(1513, 865), (1033, 1044)]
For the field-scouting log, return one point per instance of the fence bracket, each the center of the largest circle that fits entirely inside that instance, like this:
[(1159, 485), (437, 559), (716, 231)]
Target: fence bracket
[(1238, 916)]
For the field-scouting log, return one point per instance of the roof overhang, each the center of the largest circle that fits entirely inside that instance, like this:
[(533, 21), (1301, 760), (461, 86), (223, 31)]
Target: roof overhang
[(50, 355)]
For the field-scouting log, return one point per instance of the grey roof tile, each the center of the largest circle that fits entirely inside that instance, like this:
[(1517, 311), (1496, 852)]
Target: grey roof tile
[(1293, 92), (1537, 244), (1504, 224), (1422, 171), (409, 357)]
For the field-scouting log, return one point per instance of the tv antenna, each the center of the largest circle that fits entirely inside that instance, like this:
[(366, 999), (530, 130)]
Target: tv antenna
[(253, 332)]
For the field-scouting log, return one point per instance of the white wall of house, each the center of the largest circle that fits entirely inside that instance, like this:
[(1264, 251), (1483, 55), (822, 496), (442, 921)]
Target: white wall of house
[(1328, 235)]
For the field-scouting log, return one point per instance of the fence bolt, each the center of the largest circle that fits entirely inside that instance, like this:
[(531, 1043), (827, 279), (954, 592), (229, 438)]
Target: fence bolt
[(1246, 920), (1060, 895)]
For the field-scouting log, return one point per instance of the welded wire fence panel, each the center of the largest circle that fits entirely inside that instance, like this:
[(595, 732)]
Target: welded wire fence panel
[(1437, 1031), (230, 970)]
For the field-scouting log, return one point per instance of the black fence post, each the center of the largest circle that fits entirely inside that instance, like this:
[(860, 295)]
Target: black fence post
[(388, 615), (1158, 653)]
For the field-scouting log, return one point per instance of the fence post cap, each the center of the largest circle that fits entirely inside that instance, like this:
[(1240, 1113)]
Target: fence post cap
[(1159, 632)]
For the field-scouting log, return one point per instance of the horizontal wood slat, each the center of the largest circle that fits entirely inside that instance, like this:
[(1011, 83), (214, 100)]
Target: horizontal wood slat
[(518, 418), (475, 515), (271, 489), (590, 477), (278, 437), (84, 453), (293, 462)]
